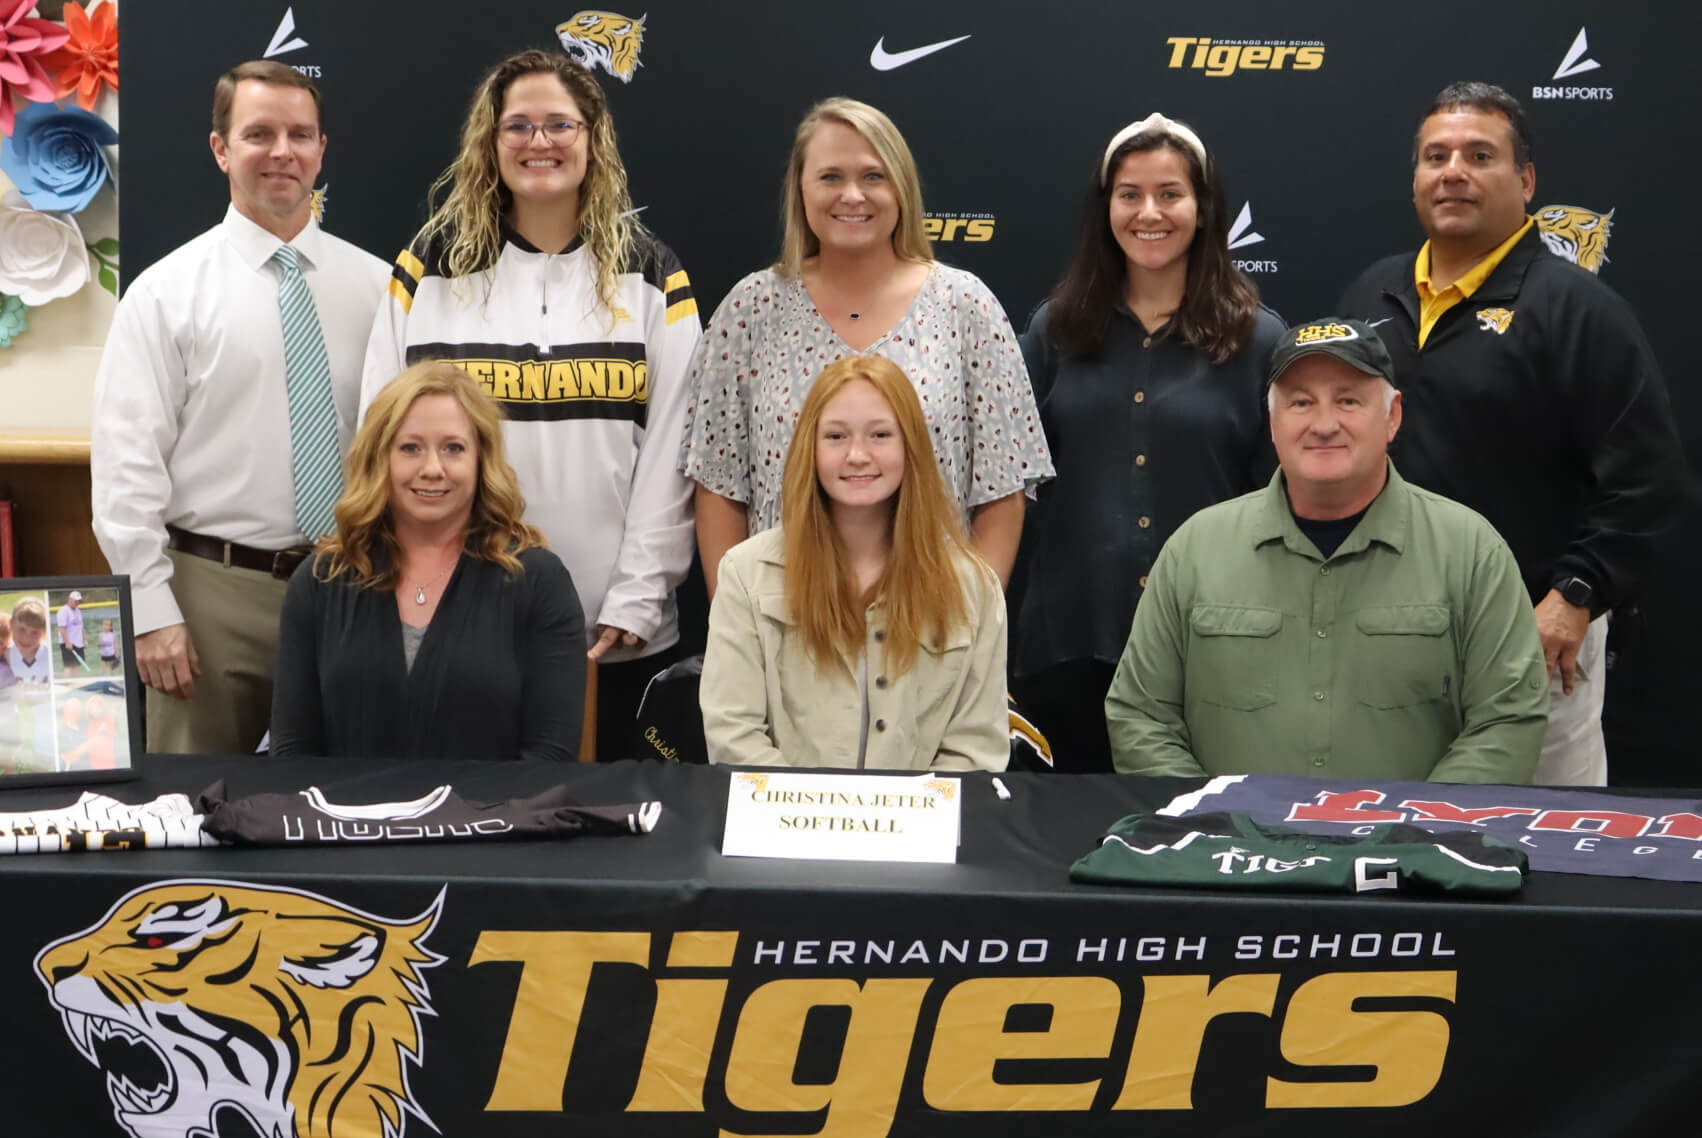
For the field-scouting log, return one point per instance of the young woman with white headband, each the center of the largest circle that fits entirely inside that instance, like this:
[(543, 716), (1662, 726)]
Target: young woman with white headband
[(1148, 366)]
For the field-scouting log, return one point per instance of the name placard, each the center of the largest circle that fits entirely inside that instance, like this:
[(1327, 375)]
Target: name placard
[(842, 817)]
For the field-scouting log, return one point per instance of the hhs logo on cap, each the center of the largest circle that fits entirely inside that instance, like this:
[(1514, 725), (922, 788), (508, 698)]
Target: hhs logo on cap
[(1324, 334)]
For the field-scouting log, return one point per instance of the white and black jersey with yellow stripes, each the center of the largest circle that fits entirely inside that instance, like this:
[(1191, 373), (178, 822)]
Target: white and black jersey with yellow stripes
[(595, 399)]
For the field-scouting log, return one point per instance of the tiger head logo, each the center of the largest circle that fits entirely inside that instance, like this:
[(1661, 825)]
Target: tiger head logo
[(1496, 320), (217, 1007), (316, 202), (1577, 234), (604, 39)]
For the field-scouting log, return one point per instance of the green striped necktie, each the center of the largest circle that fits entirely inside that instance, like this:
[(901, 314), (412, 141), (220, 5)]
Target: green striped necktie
[(314, 461)]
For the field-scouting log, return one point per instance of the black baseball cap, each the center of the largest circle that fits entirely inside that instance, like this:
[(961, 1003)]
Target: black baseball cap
[(1353, 342)]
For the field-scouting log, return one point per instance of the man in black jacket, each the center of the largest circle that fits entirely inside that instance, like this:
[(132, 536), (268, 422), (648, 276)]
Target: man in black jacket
[(1531, 395)]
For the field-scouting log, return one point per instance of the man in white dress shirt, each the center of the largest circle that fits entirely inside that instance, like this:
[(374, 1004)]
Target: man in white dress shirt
[(195, 459)]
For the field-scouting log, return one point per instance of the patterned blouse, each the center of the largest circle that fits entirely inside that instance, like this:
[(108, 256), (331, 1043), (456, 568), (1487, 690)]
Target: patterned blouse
[(767, 343)]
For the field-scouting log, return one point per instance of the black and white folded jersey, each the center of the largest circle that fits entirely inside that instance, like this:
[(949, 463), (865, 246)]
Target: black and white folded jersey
[(99, 822), (307, 817)]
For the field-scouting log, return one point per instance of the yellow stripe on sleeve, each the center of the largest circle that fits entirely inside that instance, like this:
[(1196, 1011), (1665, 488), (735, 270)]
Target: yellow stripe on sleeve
[(680, 309), (676, 280), (411, 264), (401, 293)]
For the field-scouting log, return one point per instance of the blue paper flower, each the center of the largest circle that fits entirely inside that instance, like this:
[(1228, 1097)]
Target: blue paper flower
[(14, 319), (54, 156)]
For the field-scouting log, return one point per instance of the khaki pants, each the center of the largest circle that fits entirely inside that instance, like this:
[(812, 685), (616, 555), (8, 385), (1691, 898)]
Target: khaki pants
[(1574, 752), (232, 616)]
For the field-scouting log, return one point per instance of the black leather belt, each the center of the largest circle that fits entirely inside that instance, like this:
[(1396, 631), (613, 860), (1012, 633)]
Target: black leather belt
[(280, 563)]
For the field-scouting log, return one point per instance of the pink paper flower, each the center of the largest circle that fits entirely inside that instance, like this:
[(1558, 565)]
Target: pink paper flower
[(23, 41), (90, 60)]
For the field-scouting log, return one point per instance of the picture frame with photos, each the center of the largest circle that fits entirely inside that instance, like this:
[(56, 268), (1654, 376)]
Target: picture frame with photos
[(70, 696)]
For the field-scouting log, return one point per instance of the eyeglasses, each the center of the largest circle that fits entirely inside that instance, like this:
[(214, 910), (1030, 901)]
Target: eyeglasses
[(520, 132)]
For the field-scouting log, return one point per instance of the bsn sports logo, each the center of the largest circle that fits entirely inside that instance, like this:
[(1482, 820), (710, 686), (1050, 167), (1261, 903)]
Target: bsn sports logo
[(285, 40), (1575, 62), (1223, 57), (970, 228), (1241, 235), (607, 40), (194, 998), (1575, 233)]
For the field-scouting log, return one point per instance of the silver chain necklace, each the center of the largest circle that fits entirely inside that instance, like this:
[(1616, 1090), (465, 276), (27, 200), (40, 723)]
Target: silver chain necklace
[(420, 590)]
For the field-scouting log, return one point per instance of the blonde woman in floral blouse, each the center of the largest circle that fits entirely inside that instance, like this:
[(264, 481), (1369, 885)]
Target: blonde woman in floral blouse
[(856, 277)]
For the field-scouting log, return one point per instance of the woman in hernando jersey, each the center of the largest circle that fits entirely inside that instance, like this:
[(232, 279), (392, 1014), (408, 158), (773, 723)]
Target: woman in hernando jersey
[(1149, 363), (533, 275), (863, 631)]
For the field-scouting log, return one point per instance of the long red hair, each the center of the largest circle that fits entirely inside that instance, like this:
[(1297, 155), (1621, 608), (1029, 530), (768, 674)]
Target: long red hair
[(920, 589)]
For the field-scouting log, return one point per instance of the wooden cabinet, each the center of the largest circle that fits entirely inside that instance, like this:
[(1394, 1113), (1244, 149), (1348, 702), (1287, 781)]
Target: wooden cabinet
[(45, 475)]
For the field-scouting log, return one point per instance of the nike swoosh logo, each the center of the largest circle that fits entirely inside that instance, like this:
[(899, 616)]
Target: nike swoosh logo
[(883, 60), (1374, 323)]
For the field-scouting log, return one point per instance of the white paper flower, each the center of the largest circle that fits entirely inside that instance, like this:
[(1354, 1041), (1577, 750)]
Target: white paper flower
[(42, 257)]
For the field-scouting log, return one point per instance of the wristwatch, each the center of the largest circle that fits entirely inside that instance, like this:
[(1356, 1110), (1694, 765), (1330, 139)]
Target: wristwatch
[(1577, 592)]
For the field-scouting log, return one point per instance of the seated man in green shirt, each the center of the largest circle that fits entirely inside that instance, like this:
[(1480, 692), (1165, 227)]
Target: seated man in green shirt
[(1340, 622)]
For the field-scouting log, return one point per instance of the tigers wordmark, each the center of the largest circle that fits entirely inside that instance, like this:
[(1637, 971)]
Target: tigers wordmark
[(960, 1045), (1225, 57), (969, 228), (202, 994)]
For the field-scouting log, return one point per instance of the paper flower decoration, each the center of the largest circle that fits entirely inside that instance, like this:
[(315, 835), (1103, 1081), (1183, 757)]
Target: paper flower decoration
[(14, 319), (55, 156), (23, 42), (42, 257), (90, 60), (106, 256)]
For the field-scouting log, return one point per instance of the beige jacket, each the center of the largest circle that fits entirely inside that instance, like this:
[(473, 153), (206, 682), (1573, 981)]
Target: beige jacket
[(765, 703)]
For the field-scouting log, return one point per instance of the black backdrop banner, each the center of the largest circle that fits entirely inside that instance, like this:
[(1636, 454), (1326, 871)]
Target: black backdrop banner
[(1309, 108)]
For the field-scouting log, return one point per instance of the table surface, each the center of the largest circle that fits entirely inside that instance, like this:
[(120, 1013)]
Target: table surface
[(1020, 847)]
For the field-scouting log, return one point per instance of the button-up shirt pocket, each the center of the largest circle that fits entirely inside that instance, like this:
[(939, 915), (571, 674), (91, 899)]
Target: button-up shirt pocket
[(796, 684), (1232, 656), (1404, 657), (938, 677)]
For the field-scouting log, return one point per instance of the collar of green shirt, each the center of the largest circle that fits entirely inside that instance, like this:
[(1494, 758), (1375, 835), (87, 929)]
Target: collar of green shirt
[(1387, 521)]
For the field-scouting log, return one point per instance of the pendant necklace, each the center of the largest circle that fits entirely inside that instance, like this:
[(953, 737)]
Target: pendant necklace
[(419, 589)]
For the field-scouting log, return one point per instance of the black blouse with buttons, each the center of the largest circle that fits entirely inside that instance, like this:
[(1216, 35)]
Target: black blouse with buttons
[(1142, 436)]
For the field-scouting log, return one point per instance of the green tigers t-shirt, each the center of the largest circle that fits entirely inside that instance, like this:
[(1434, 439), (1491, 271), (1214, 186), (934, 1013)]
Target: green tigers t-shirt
[(1231, 851)]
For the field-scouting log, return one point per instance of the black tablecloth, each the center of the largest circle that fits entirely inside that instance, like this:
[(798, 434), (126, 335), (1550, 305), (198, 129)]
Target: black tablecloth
[(1088, 992)]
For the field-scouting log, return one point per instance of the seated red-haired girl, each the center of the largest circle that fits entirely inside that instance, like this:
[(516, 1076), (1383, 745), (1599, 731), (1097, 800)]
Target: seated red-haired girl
[(863, 632)]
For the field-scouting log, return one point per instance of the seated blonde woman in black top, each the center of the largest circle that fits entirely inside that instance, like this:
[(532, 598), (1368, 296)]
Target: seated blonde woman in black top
[(433, 624)]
